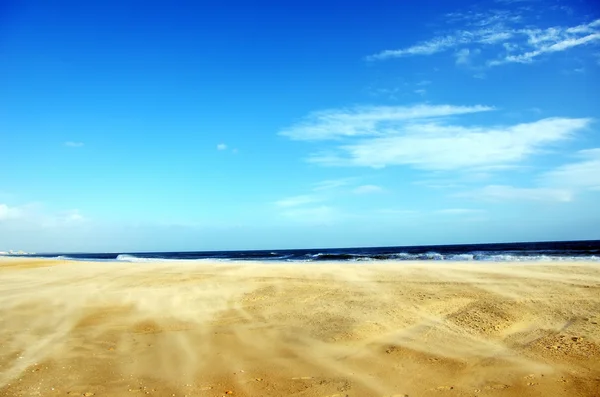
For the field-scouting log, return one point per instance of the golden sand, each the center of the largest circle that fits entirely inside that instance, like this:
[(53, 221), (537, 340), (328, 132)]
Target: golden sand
[(299, 329)]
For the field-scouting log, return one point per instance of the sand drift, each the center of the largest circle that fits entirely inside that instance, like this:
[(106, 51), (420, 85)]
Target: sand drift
[(281, 329)]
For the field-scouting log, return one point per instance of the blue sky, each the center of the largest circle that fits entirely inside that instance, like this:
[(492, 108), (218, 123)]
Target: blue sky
[(136, 126)]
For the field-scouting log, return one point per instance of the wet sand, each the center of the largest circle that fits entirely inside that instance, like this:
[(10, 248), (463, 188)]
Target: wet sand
[(299, 329)]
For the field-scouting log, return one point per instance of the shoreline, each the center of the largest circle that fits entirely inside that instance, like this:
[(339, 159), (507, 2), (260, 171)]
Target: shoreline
[(329, 328)]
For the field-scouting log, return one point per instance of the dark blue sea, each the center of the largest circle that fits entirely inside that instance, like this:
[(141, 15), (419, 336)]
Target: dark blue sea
[(546, 251)]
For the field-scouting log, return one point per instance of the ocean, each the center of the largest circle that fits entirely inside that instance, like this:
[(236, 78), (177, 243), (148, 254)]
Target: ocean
[(537, 251)]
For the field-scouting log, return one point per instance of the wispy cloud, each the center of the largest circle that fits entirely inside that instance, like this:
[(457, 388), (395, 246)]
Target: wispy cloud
[(502, 31), (548, 41), (221, 146), (508, 193), (367, 189), (396, 212), (332, 184), (317, 206), (9, 213), (561, 184), (439, 183), (37, 215), (460, 211), (296, 201), (430, 47), (388, 136), (580, 175), (462, 56), (73, 144), (368, 120), (72, 216)]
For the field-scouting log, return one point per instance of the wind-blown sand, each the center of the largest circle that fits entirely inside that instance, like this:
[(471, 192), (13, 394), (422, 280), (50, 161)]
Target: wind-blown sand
[(299, 329)]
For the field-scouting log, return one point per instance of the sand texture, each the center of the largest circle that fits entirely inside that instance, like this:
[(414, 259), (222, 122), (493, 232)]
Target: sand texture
[(302, 329)]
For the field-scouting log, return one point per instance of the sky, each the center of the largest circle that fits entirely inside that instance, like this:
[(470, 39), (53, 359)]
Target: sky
[(130, 126)]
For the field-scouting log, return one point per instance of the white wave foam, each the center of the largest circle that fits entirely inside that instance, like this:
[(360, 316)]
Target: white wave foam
[(402, 256), (133, 258), (490, 257), (137, 259), (537, 258), (66, 258), (460, 257)]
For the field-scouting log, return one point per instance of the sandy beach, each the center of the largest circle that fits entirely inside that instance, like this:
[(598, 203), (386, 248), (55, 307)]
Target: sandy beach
[(296, 329)]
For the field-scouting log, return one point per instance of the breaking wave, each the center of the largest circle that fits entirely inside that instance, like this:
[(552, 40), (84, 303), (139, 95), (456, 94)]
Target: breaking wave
[(506, 252)]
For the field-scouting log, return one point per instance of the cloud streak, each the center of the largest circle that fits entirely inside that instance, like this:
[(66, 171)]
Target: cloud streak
[(503, 33), (561, 184), (580, 175), (367, 189), (511, 193), (297, 201), (36, 216), (379, 137), (9, 213), (460, 211), (368, 120)]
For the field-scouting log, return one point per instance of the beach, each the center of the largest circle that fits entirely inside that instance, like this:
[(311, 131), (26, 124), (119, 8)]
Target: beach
[(378, 328)]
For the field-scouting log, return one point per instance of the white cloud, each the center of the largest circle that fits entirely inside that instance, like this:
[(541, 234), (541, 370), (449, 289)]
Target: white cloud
[(331, 184), (368, 120), (297, 201), (73, 216), (73, 144), (221, 146), (395, 211), (430, 47), (432, 146), (439, 183), (35, 215), (543, 47), (584, 174), (367, 189), (462, 56), (9, 213), (504, 33), (421, 91), (507, 193), (490, 18), (558, 185), (460, 211)]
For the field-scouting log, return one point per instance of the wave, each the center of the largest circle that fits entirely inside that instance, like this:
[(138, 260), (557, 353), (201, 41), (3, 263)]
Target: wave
[(510, 252), (155, 259), (133, 258), (65, 258), (402, 256), (73, 258), (436, 256)]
